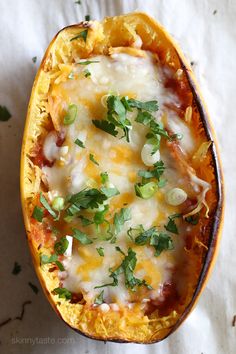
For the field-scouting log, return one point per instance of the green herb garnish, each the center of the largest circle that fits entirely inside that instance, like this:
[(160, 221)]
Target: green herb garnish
[(127, 268), (87, 198), (38, 213), (85, 221), (171, 225), (81, 237), (87, 62), (44, 259), (79, 143), (61, 246), (104, 177), (110, 192), (99, 299), (193, 219), (120, 218), (91, 158), (82, 34), (63, 293), (87, 73), (100, 251), (159, 240), (99, 216), (145, 191), (46, 205), (107, 127), (71, 114)]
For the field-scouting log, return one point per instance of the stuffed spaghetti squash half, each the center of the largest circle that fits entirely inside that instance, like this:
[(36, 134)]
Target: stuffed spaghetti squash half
[(120, 181)]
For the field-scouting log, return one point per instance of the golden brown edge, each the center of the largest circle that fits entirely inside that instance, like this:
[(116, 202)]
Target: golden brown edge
[(217, 222)]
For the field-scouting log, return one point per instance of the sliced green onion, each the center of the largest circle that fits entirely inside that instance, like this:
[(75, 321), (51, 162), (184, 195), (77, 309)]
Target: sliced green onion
[(176, 196), (58, 203), (147, 190), (71, 114)]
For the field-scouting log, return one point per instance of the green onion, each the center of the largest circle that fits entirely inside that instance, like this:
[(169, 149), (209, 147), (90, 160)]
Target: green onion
[(146, 191), (58, 203), (71, 114)]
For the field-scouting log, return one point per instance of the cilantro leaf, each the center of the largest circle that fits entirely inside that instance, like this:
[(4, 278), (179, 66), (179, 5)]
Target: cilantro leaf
[(4, 114), (120, 219), (61, 246), (87, 62), (100, 251), (151, 106), (38, 213), (171, 225), (99, 216), (81, 237), (87, 198), (127, 268), (82, 34), (44, 259), (107, 127), (155, 172), (104, 177), (193, 219), (63, 293), (46, 205), (159, 240), (79, 143), (91, 158), (110, 192), (85, 221), (99, 299)]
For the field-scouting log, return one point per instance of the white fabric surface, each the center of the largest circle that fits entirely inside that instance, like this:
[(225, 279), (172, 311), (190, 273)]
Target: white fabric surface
[(26, 29)]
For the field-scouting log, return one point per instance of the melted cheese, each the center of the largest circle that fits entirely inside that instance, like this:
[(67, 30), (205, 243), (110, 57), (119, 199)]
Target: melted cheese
[(121, 74)]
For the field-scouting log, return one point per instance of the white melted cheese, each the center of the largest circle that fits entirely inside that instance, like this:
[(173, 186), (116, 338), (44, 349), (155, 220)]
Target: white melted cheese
[(72, 171)]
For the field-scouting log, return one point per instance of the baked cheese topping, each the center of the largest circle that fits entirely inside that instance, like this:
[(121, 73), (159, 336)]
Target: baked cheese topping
[(117, 179)]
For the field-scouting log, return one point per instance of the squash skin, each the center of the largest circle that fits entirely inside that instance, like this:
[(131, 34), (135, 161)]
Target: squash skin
[(216, 220)]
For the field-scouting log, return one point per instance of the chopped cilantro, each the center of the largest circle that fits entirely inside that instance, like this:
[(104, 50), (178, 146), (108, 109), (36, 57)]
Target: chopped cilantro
[(81, 237), (127, 268), (87, 198), (100, 251), (87, 73), (87, 62), (82, 34), (151, 106), (99, 299), (91, 158), (171, 225), (104, 177), (110, 192), (120, 219), (107, 127), (79, 143), (159, 240), (193, 219), (99, 216), (63, 293), (61, 246), (46, 205), (44, 259), (38, 213), (85, 221)]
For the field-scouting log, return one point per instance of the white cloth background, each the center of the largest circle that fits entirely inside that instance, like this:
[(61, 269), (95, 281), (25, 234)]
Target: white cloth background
[(26, 29)]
